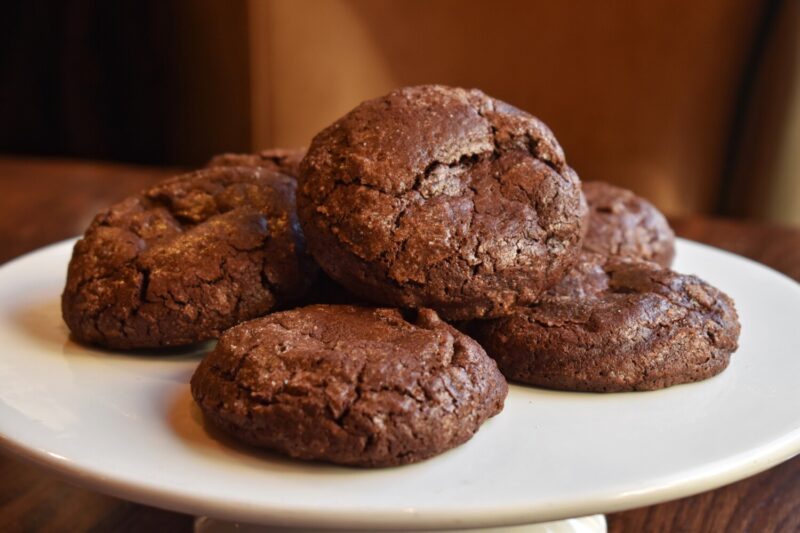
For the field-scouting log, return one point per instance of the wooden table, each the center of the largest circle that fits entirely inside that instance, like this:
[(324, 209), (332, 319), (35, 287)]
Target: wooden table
[(46, 201)]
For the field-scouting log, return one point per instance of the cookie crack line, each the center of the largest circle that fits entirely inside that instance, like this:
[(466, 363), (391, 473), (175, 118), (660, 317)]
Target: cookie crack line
[(646, 328), (373, 387), (532, 143), (141, 278), (464, 161), (466, 209), (390, 257)]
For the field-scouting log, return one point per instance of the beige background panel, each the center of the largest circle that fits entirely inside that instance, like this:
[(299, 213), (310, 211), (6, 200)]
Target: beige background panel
[(311, 61), (784, 186), (784, 204)]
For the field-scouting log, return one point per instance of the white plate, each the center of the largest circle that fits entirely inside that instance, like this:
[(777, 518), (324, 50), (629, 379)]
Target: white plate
[(125, 424)]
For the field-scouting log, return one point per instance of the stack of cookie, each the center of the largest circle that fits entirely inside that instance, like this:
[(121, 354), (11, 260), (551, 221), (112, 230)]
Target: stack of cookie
[(346, 317)]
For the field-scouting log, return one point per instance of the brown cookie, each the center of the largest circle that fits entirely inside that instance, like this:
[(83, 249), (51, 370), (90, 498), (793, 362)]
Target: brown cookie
[(440, 197), (351, 385), (626, 225), (186, 259), (283, 160), (633, 326)]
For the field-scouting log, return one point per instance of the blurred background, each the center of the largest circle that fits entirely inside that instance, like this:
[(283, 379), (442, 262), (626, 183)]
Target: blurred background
[(695, 105)]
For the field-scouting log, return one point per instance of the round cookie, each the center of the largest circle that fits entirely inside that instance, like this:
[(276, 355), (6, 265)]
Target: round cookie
[(626, 225), (351, 385), (441, 197), (637, 327), (186, 259), (283, 160)]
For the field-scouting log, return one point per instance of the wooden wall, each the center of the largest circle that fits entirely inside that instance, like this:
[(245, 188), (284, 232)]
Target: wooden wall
[(639, 93), (142, 81), (692, 104)]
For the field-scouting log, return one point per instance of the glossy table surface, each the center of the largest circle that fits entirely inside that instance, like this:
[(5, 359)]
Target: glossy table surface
[(43, 201)]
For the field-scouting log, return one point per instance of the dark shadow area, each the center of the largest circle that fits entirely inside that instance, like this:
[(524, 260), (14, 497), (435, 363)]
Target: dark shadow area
[(138, 81)]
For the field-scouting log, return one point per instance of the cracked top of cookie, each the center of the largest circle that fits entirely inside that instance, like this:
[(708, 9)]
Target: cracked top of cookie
[(350, 385), (180, 262), (283, 160), (441, 197), (616, 324), (626, 225)]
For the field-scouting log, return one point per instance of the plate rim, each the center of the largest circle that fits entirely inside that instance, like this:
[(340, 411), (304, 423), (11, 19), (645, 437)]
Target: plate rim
[(723, 472), (707, 477)]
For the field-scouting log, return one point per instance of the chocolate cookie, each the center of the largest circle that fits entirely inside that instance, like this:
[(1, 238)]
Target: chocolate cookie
[(351, 385), (623, 224), (637, 327), (439, 197), (186, 259), (586, 279), (283, 160)]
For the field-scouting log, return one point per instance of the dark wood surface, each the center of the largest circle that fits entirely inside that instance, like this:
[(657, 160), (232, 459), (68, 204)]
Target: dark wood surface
[(45, 201)]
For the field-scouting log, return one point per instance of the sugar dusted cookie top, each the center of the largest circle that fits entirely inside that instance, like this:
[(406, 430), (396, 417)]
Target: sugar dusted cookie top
[(626, 225), (627, 325), (186, 259), (441, 197), (351, 385), (283, 160)]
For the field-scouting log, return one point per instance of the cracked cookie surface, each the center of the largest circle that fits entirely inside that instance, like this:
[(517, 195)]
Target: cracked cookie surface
[(186, 259), (627, 325), (444, 198), (283, 160), (626, 225), (351, 385)]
